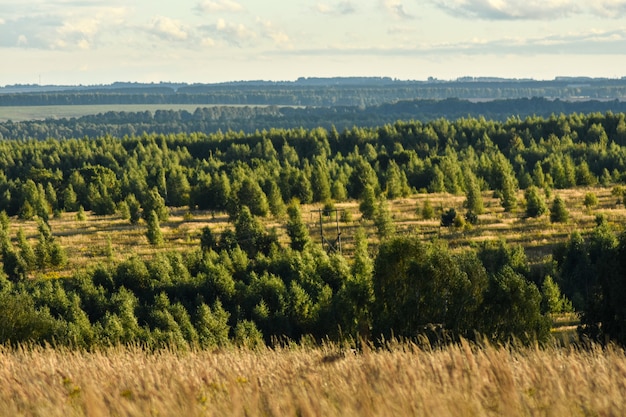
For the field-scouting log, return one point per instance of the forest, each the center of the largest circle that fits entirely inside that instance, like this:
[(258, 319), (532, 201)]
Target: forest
[(325, 92), (250, 119), (263, 279)]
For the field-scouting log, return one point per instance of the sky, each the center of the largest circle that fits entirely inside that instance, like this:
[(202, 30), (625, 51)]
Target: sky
[(89, 42)]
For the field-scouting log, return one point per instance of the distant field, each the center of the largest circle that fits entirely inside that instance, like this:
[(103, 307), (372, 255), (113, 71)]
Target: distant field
[(23, 113)]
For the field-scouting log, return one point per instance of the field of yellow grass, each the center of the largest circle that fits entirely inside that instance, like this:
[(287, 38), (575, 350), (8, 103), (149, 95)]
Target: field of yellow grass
[(102, 239), (402, 380)]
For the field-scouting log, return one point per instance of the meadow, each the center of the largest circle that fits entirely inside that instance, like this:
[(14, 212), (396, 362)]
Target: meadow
[(401, 379), (105, 239), (25, 113)]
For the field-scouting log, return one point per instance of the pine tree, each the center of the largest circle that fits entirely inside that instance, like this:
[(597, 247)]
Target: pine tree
[(134, 209), (296, 229), (535, 204), (558, 211), (154, 202), (509, 194), (384, 221), (474, 199), (367, 206), (26, 250), (153, 233)]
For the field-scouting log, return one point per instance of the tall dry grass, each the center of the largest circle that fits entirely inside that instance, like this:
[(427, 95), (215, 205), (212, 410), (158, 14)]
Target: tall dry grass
[(462, 380)]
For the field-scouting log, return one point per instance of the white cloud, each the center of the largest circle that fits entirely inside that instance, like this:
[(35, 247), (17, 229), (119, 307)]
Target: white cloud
[(169, 29), (531, 9), (609, 8), (396, 9), (212, 6), (232, 33), (336, 9), (278, 36), (592, 42), (509, 9), (76, 29)]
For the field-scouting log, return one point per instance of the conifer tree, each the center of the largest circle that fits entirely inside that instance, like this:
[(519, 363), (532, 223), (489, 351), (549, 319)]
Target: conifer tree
[(535, 204), (367, 206), (153, 232), (474, 199), (558, 211), (296, 229)]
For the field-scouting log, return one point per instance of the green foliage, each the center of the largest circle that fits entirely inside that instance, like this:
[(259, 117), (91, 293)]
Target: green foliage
[(367, 205), (473, 197), (553, 301), (23, 322), (153, 232), (80, 214), (448, 217), (296, 229), (384, 221), (427, 211), (152, 202), (558, 211), (418, 285), (208, 240), (590, 201), (535, 204)]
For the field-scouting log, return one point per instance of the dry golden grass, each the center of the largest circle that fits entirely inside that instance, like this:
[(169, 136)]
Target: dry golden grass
[(460, 380)]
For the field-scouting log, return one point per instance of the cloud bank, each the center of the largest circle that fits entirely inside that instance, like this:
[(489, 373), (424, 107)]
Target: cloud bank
[(530, 9)]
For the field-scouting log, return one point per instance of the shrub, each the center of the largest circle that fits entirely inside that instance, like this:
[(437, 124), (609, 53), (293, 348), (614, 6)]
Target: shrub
[(447, 218)]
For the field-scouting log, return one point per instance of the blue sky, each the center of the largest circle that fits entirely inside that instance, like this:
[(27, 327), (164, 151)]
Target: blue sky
[(97, 41)]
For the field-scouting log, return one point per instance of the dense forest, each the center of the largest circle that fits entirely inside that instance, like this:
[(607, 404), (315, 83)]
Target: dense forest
[(244, 285), (327, 92), (251, 119)]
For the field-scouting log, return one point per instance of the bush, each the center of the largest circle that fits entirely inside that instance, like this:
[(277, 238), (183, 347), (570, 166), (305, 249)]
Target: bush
[(590, 200), (558, 211), (447, 218), (428, 212)]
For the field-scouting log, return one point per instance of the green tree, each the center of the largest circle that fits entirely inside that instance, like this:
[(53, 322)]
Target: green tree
[(473, 197), (26, 250), (384, 221), (296, 229), (508, 194), (134, 208), (251, 195), (558, 211), (69, 199), (553, 301), (535, 204), (367, 205), (153, 233), (153, 202), (178, 189), (275, 200), (427, 211), (320, 181)]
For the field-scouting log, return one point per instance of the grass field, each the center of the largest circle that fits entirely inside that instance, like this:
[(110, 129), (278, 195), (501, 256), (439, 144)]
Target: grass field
[(23, 113), (102, 239), (403, 380)]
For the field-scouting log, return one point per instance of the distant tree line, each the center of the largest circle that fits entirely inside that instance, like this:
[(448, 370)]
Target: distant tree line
[(249, 119), (349, 91)]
